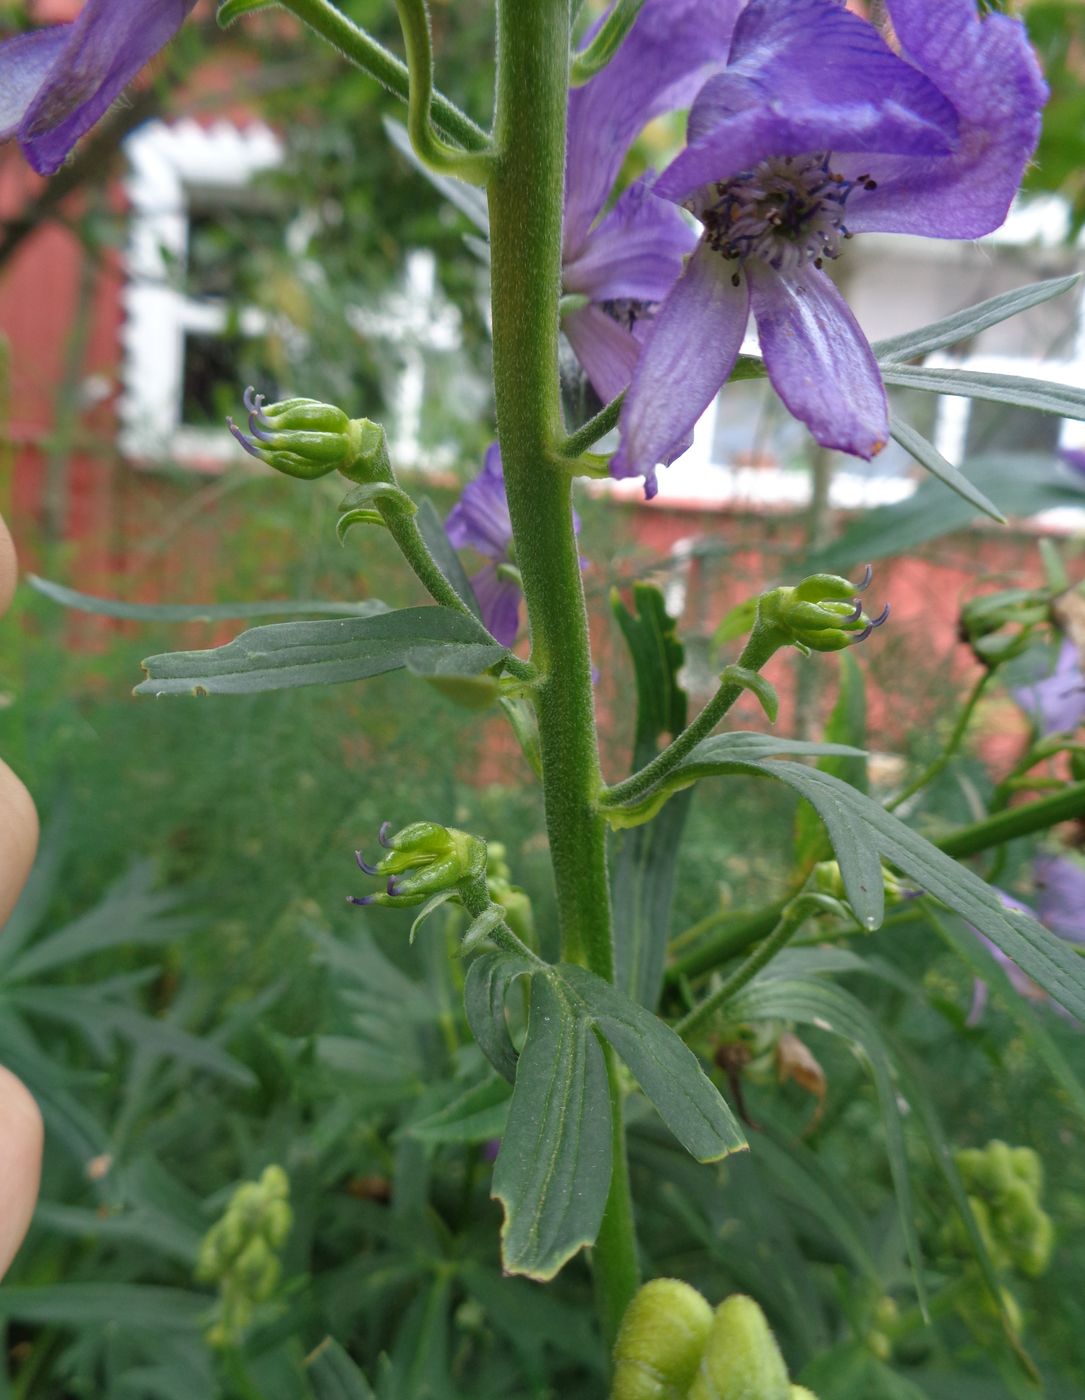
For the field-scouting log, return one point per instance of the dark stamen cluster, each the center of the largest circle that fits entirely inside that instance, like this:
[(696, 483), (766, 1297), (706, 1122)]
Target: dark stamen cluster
[(786, 211)]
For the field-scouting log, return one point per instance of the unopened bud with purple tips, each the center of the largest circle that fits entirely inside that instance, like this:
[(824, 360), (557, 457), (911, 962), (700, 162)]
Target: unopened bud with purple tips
[(423, 859), (821, 613), (306, 438)]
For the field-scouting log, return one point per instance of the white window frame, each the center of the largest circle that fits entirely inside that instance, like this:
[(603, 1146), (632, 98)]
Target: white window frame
[(166, 163)]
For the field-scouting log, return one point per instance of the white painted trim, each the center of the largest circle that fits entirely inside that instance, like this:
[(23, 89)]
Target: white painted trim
[(166, 161)]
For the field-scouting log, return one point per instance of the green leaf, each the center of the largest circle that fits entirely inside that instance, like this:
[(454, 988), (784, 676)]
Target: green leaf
[(1022, 485), (830, 1008), (476, 1115), (657, 655), (928, 456), (962, 325), (131, 913), (644, 862), (289, 654), (553, 1172), (863, 833), (485, 988), (643, 865), (723, 753), (1039, 394), (198, 612), (432, 529), (100, 1304), (334, 1376), (847, 725), (667, 1071)]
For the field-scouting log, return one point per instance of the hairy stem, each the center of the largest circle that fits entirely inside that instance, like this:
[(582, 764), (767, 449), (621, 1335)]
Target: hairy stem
[(526, 195), (763, 643), (431, 150), (795, 914), (373, 58)]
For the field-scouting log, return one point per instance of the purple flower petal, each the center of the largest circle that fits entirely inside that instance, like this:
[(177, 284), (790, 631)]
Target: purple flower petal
[(499, 601), (25, 63), (988, 71), (480, 519), (805, 76), (818, 359), (1056, 704), (663, 61), (636, 253), (688, 354), (1060, 896), (104, 49), (607, 351)]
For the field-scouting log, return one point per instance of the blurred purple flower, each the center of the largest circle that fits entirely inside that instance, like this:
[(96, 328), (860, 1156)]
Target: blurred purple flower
[(1060, 907), (1074, 457), (1056, 704), (627, 263), (56, 83), (817, 129), (1060, 896), (480, 521)]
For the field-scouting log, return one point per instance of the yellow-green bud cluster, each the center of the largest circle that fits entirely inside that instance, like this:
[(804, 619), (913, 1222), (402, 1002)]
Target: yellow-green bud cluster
[(672, 1346), (240, 1252), (1004, 1186)]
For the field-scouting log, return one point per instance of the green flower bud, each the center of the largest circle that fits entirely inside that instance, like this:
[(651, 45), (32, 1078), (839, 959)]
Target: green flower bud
[(800, 1392), (741, 1359), (251, 1264), (660, 1341), (306, 438), (821, 613), (275, 1183), (425, 859)]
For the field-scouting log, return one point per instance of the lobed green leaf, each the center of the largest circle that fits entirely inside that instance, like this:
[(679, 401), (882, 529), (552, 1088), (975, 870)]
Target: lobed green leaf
[(291, 654)]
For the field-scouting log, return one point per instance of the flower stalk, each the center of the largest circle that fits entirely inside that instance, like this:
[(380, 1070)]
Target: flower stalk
[(526, 192), (472, 166)]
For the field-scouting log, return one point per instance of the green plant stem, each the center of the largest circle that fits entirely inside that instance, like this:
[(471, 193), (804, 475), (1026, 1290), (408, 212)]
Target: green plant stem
[(955, 740), (526, 198), (373, 58), (763, 643), (794, 915), (587, 436), (473, 166), (740, 930), (1018, 821), (606, 42)]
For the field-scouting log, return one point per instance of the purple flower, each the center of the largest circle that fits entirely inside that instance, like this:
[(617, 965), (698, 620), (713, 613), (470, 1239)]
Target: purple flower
[(480, 521), (817, 129), (56, 83), (1060, 896), (1056, 704), (1060, 907), (626, 264)]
